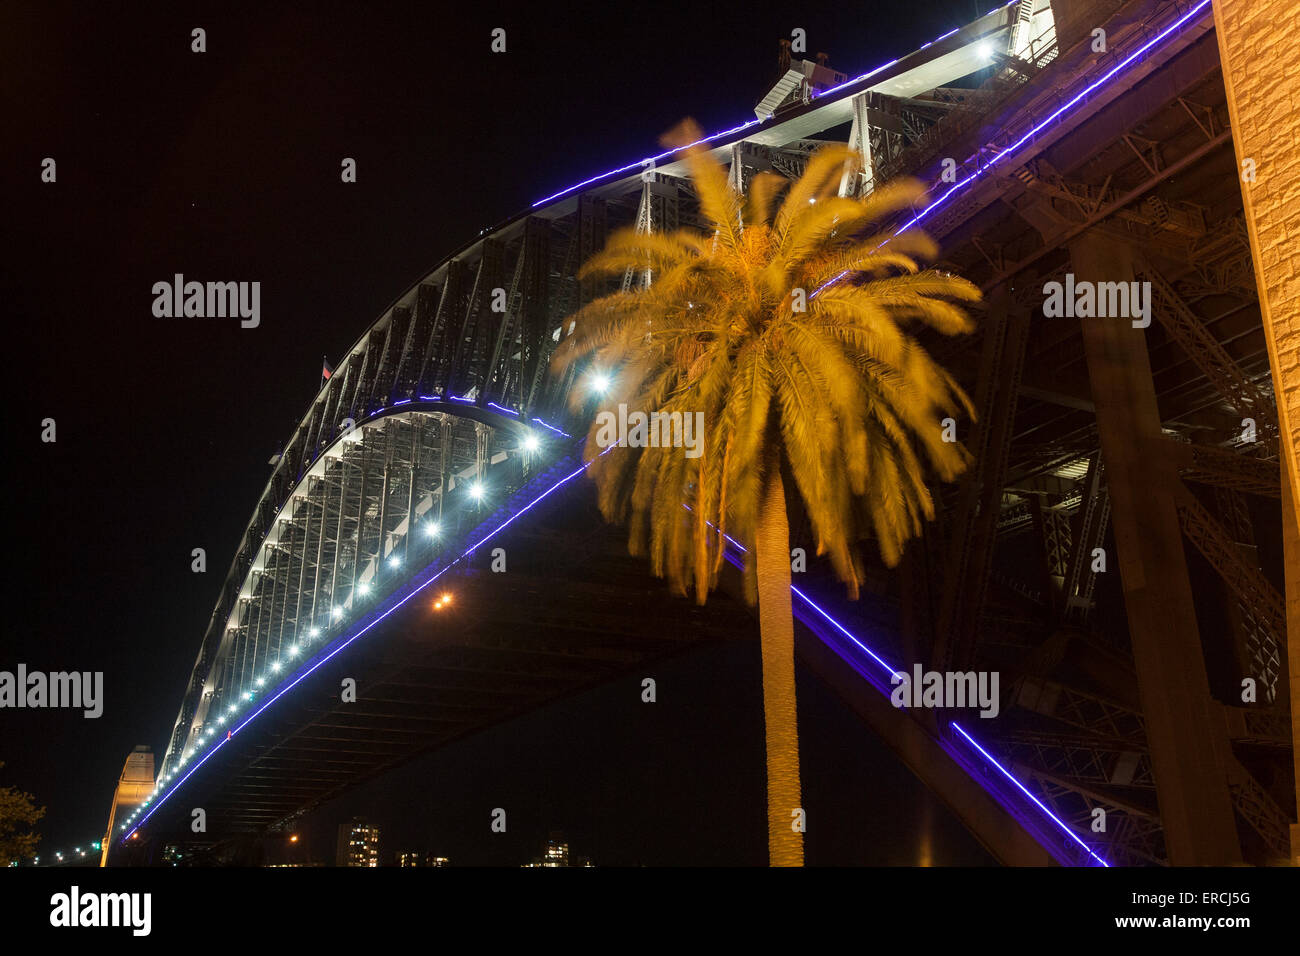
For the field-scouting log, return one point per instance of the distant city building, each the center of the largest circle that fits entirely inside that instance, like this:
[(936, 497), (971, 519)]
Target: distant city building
[(417, 858), (358, 844), (556, 853)]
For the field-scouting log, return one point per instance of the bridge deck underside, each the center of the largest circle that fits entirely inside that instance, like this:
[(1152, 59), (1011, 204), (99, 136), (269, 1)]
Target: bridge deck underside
[(572, 611)]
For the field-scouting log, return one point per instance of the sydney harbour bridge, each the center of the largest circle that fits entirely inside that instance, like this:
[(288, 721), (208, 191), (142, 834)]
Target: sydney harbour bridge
[(1113, 552)]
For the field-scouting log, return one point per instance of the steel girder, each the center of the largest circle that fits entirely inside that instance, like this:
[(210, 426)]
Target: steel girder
[(441, 341), (346, 533), (441, 353), (397, 417)]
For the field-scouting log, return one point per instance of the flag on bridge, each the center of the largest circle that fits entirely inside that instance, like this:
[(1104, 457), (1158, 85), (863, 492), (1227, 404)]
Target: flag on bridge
[(326, 371)]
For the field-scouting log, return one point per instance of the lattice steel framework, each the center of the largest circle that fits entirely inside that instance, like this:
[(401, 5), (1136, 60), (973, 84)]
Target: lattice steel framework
[(443, 390), (459, 374)]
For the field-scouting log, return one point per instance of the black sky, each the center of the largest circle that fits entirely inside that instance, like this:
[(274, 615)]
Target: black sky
[(225, 166)]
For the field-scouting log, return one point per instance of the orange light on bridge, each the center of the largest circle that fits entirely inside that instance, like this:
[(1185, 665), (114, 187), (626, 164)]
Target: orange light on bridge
[(442, 602), (294, 838)]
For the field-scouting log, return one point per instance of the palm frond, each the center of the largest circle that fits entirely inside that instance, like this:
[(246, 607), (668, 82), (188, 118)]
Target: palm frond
[(841, 389)]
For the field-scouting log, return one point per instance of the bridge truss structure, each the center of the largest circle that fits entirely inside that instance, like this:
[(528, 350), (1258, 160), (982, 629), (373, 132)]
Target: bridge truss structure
[(442, 427)]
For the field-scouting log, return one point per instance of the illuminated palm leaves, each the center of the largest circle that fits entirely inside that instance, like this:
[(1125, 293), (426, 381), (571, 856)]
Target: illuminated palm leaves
[(791, 324)]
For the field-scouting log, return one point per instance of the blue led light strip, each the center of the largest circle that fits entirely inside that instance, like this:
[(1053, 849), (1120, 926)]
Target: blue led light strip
[(748, 123), (1059, 111), (1007, 773), (1001, 154), (476, 541), (889, 672), (1033, 131)]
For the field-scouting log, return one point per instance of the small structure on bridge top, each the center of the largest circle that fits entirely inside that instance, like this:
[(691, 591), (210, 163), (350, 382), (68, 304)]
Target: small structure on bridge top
[(133, 788), (798, 82)]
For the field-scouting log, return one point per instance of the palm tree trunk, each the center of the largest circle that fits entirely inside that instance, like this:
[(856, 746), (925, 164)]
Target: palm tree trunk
[(776, 637)]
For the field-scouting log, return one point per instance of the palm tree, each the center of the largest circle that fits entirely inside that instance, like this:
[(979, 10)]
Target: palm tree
[(791, 334)]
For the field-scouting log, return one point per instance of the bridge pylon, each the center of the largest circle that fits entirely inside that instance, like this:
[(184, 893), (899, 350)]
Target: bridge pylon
[(133, 788)]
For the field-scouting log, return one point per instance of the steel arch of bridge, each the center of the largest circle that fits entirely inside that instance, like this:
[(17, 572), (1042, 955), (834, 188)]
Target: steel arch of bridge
[(433, 391), (441, 386)]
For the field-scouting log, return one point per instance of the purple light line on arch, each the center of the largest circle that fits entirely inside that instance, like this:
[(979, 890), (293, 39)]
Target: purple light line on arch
[(1002, 154), (924, 213), (745, 125), (314, 665), (868, 75), (1034, 130), (890, 671), (560, 483), (1007, 773), (319, 661), (987, 756), (885, 66), (957, 186), (1068, 105), (641, 163), (917, 219), (232, 731), (553, 428)]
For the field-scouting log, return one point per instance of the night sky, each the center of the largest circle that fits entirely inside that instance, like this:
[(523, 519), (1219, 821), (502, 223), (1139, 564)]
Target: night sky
[(225, 166)]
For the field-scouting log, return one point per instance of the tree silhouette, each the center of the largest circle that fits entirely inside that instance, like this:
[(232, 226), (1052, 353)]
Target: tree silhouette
[(18, 813)]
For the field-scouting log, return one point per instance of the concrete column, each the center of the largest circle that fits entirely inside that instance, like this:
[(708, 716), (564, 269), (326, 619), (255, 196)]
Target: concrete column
[(1259, 56), (133, 788), (1259, 49), (1185, 730)]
